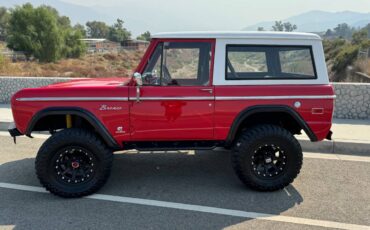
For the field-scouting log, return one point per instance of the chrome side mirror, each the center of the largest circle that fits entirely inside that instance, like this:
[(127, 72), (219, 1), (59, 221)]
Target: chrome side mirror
[(138, 79), (139, 82)]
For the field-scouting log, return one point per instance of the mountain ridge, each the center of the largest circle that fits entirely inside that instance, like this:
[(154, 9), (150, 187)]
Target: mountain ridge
[(319, 21)]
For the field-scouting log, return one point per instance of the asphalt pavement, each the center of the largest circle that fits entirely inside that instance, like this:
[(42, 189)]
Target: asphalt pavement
[(186, 190)]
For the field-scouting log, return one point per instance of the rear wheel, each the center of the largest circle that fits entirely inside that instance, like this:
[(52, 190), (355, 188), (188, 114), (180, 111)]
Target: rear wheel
[(267, 157), (73, 163)]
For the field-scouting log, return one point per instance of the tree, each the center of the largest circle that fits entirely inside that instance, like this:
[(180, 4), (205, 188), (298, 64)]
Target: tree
[(344, 30), (4, 20), (359, 37), (35, 32), (260, 29), (146, 36), (73, 47), (345, 58), (117, 32), (96, 29), (367, 29), (81, 29), (279, 26), (286, 26), (64, 22), (329, 33), (48, 38), (42, 33)]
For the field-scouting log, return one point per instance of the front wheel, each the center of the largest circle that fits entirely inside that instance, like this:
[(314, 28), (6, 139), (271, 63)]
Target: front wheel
[(73, 163), (267, 157)]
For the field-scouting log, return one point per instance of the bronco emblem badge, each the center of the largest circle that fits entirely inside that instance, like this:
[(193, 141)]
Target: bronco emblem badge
[(105, 107)]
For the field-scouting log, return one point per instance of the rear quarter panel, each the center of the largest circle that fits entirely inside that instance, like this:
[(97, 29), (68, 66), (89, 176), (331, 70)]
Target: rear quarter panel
[(226, 110)]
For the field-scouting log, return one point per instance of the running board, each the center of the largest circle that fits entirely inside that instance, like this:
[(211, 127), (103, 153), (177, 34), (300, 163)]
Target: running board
[(171, 145)]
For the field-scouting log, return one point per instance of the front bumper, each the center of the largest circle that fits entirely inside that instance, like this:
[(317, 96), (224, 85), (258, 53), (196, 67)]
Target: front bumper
[(13, 131), (328, 137)]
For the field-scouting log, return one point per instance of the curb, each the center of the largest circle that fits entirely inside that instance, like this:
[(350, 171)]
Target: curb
[(4, 125), (351, 147), (338, 146)]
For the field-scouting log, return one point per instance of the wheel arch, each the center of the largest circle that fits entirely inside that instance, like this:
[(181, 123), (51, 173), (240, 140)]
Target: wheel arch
[(89, 117), (264, 109)]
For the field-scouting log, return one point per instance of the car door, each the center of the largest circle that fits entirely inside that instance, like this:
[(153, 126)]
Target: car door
[(176, 100)]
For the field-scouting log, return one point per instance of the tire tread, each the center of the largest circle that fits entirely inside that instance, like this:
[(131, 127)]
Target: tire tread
[(64, 136), (247, 138)]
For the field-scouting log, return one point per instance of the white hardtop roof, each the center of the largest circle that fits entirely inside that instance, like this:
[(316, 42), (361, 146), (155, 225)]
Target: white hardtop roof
[(239, 35)]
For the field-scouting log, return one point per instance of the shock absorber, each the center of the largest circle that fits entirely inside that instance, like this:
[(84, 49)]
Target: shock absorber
[(69, 121)]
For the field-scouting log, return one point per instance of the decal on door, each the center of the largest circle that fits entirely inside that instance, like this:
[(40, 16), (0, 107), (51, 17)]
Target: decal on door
[(106, 107)]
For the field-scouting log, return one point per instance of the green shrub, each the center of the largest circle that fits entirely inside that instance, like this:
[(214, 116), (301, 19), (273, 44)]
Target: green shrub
[(345, 58)]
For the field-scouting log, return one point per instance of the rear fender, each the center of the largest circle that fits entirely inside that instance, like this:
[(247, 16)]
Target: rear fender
[(242, 116)]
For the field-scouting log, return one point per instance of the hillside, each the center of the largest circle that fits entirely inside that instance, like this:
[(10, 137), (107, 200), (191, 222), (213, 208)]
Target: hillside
[(90, 65)]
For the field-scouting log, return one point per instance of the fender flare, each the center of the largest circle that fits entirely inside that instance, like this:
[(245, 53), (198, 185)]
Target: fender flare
[(90, 117), (268, 108)]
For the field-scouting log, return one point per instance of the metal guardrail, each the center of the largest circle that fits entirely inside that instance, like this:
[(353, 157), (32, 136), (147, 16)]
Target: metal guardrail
[(363, 75)]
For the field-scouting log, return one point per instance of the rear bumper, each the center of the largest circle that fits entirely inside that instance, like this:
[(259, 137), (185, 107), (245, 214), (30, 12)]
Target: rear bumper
[(328, 136), (13, 131)]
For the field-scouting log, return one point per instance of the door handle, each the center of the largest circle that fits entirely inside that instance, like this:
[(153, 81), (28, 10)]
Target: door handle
[(207, 90)]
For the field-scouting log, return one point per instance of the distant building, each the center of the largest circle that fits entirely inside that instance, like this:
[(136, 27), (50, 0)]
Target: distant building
[(101, 45), (11, 54), (133, 44)]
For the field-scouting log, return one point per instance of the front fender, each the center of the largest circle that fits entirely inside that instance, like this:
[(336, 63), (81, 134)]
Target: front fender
[(87, 115)]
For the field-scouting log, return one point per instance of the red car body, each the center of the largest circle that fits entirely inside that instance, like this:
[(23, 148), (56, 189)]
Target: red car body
[(175, 113)]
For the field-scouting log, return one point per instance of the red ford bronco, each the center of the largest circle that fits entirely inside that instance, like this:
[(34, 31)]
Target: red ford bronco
[(250, 92)]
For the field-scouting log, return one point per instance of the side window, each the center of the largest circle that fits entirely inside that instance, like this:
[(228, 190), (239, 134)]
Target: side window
[(182, 63), (179, 64), (246, 62), (296, 61)]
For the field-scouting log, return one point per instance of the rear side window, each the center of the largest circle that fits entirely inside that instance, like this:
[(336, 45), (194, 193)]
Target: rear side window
[(296, 61), (246, 62)]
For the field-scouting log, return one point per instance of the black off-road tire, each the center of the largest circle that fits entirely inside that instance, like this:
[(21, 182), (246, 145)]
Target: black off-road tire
[(77, 139), (250, 143)]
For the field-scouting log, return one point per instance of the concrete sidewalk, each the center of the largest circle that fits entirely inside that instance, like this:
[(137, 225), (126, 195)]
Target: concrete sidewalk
[(349, 136), (6, 116)]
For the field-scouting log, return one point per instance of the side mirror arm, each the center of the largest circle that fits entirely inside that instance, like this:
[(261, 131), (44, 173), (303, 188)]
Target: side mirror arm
[(139, 83), (137, 93)]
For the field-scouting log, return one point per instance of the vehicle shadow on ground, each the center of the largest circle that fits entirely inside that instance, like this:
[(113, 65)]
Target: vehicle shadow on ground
[(200, 178)]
